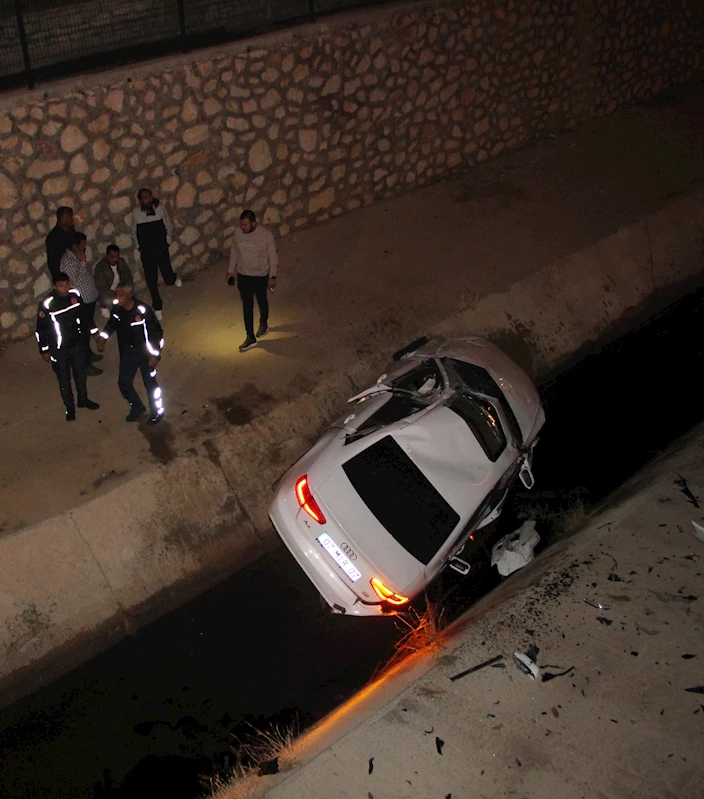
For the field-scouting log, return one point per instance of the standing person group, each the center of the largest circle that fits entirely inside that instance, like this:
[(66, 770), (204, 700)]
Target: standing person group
[(65, 318)]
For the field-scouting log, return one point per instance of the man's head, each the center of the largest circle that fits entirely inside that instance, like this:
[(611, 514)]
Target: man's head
[(64, 217), (123, 293), (248, 221), (112, 254), (79, 245), (62, 283), (145, 197)]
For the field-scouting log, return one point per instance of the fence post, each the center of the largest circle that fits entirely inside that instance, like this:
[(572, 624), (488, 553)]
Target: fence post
[(182, 24), (311, 10), (23, 44)]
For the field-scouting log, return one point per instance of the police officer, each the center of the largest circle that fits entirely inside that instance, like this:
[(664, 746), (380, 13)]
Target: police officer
[(139, 338), (60, 339)]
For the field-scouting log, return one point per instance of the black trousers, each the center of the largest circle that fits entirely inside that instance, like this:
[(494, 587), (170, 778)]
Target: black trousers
[(66, 361), (87, 324), (131, 360), (152, 262), (251, 287)]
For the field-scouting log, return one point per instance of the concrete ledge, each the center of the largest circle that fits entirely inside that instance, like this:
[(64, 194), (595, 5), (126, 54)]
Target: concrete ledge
[(77, 583)]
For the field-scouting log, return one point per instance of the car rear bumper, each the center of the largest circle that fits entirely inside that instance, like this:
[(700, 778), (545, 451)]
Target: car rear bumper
[(318, 567)]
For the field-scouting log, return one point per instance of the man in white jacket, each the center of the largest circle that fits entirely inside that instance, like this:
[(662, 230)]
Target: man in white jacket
[(151, 235)]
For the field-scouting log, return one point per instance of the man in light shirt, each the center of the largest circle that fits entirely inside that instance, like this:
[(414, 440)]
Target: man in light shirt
[(108, 273), (253, 266)]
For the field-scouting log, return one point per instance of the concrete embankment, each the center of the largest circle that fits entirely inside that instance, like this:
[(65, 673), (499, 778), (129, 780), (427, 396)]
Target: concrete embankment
[(78, 582)]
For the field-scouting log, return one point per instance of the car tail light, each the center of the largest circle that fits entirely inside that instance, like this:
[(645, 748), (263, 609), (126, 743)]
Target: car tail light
[(386, 594), (306, 501)]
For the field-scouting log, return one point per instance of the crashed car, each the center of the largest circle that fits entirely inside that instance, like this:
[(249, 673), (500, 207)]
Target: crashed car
[(396, 489)]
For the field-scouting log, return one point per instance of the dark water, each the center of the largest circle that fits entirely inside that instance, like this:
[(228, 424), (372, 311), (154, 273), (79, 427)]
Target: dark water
[(150, 715)]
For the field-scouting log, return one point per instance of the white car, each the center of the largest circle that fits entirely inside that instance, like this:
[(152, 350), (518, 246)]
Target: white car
[(423, 460)]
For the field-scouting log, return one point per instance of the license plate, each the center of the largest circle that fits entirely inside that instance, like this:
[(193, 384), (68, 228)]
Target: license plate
[(339, 557)]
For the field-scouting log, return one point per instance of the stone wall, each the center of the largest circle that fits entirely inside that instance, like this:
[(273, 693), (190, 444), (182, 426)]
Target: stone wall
[(319, 121)]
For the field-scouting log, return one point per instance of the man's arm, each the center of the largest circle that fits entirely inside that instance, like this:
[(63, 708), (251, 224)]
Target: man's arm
[(234, 256), (105, 333), (272, 255), (168, 224), (155, 335), (41, 332)]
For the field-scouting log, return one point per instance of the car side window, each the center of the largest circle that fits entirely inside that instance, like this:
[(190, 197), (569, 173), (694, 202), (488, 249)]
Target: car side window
[(483, 420)]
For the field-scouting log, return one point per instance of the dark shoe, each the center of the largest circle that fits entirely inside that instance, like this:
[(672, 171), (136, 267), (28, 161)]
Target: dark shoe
[(263, 330), (93, 371), (95, 356), (70, 414), (152, 420), (87, 403), (134, 414), (248, 343)]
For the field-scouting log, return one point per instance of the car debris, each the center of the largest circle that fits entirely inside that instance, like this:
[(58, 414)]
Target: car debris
[(479, 666), (597, 605), (525, 661), (515, 550), (439, 743), (548, 675), (371, 764), (603, 620), (698, 531), (698, 689)]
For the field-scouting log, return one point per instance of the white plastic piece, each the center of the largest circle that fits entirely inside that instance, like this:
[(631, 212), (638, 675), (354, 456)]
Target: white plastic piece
[(515, 550), (698, 531), (526, 665)]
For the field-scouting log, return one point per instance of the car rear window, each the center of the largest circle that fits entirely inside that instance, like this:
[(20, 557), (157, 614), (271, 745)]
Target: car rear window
[(402, 499)]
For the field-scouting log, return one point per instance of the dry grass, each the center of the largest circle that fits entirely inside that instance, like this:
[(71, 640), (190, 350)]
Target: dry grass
[(246, 781), (419, 632)]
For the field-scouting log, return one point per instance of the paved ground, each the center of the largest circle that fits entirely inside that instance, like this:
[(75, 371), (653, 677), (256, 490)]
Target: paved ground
[(400, 265), (617, 614)]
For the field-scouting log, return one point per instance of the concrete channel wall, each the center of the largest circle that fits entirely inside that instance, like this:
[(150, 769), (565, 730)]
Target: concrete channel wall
[(79, 582)]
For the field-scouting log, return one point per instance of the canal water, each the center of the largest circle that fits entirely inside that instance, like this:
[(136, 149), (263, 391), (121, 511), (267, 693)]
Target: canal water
[(153, 714)]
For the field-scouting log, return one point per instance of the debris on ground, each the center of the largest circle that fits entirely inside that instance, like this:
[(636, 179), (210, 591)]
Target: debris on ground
[(526, 661), (269, 767), (439, 743), (479, 666), (603, 620), (515, 550), (371, 764), (685, 489), (698, 689), (698, 531), (547, 676)]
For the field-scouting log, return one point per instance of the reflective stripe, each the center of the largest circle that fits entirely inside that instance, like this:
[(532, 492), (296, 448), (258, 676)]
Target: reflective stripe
[(152, 373), (157, 393), (47, 302), (134, 324), (37, 336), (104, 335), (93, 330), (161, 343), (53, 359), (63, 310), (114, 302), (142, 309), (74, 291), (150, 349)]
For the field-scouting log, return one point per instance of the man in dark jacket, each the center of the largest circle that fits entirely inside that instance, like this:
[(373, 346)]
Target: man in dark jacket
[(139, 339), (108, 273), (151, 235), (60, 340), (59, 239)]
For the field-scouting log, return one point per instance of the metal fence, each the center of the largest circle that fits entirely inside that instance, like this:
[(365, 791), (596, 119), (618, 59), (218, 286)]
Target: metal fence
[(45, 39)]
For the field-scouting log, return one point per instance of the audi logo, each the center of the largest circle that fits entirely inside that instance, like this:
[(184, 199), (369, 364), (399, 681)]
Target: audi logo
[(347, 549)]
